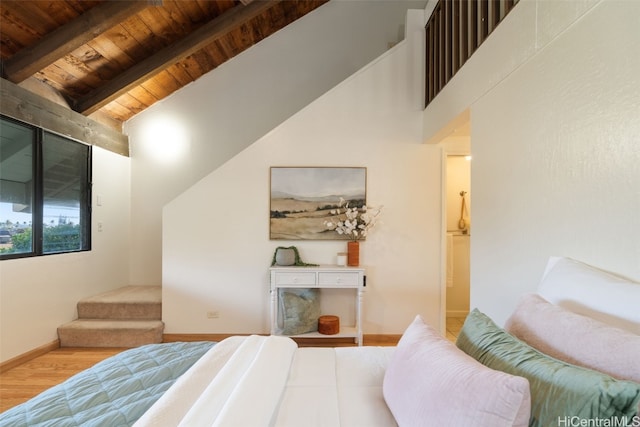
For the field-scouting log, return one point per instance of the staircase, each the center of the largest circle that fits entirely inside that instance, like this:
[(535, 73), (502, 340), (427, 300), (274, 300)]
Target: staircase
[(125, 317)]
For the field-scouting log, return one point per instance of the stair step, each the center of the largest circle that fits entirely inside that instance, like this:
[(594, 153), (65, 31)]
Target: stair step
[(129, 302), (110, 333)]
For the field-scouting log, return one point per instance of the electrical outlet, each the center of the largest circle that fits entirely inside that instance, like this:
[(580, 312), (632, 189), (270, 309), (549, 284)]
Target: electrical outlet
[(213, 314)]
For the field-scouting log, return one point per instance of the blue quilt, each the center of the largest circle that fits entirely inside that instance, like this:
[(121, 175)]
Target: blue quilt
[(114, 392)]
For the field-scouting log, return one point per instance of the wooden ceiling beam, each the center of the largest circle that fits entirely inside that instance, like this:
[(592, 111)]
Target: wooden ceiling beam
[(144, 70), (60, 42), (26, 106)]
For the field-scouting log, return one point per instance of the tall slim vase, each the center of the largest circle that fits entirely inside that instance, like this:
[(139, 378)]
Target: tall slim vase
[(353, 253)]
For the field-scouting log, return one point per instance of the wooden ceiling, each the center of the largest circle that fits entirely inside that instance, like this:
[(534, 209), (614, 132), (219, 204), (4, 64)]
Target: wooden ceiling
[(112, 59)]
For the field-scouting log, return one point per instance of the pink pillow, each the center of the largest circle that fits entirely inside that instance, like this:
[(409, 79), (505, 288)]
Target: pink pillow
[(430, 382), (576, 339)]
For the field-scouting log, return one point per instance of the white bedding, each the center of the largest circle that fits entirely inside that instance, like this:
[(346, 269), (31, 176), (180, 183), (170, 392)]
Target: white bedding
[(269, 381)]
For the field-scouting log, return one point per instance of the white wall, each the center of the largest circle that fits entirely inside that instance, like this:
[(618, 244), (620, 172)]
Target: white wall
[(553, 98), (227, 110), (216, 247), (39, 294)]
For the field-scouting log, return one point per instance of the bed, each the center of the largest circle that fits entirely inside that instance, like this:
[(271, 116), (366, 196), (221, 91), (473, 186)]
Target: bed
[(568, 355), (114, 392)]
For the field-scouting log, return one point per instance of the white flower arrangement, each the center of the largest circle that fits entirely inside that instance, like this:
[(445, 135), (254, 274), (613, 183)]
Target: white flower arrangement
[(353, 222)]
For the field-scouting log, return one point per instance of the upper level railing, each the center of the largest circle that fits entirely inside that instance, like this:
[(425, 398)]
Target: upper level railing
[(454, 32)]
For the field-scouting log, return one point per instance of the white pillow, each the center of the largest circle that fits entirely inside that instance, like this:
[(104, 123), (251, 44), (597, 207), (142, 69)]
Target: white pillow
[(430, 382), (596, 293)]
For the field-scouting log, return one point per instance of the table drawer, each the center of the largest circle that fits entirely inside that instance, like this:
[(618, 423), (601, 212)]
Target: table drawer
[(338, 279), (295, 278)]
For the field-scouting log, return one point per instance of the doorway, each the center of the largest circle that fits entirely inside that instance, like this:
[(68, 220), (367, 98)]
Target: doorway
[(456, 228), (458, 241)]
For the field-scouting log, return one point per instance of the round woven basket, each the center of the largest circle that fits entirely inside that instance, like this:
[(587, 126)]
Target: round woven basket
[(329, 325)]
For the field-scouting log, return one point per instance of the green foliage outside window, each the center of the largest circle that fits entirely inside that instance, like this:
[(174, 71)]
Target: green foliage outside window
[(21, 242), (59, 238)]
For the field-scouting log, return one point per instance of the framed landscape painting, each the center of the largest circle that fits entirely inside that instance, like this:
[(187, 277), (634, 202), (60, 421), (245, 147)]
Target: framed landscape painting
[(302, 199)]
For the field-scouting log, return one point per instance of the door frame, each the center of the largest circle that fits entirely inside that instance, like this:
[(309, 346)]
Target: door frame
[(446, 152)]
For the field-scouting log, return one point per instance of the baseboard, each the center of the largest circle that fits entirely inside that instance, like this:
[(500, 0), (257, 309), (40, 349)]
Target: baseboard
[(457, 313), (29, 355), (197, 337), (381, 339), (374, 339)]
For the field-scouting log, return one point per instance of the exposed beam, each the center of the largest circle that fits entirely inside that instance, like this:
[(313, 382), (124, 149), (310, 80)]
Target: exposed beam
[(28, 107), (179, 50), (70, 36)]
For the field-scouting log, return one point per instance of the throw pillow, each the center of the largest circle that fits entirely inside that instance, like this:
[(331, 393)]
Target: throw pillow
[(429, 382), (300, 310), (576, 339), (559, 390)]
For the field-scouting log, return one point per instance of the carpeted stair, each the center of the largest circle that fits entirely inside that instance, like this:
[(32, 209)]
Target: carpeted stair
[(125, 317)]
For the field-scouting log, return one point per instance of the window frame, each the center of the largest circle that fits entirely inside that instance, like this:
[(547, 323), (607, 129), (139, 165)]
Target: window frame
[(37, 226)]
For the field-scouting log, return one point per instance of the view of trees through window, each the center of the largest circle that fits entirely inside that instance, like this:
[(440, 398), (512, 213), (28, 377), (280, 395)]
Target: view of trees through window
[(44, 192)]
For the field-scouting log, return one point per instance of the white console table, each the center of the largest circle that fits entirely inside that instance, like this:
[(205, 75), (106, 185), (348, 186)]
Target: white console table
[(322, 277)]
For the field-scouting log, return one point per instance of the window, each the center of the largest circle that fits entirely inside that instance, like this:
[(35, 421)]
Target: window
[(45, 192)]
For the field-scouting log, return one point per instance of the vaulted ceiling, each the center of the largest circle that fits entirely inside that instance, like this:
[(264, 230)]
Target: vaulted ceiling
[(110, 60)]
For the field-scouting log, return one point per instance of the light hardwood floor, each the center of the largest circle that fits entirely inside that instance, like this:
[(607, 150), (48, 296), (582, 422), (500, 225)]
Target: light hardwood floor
[(454, 324), (23, 382)]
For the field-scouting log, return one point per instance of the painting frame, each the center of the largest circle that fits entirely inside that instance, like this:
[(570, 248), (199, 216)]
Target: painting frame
[(301, 199)]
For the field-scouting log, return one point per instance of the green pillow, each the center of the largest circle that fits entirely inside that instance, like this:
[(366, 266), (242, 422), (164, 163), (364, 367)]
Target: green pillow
[(300, 310), (559, 390)]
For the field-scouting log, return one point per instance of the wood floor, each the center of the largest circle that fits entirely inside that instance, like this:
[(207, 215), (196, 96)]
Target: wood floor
[(23, 382), (454, 324)]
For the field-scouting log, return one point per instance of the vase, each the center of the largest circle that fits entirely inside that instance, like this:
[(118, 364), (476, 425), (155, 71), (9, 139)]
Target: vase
[(285, 256), (353, 253)]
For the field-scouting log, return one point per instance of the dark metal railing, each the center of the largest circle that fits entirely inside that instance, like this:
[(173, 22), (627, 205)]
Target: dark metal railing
[(454, 32)]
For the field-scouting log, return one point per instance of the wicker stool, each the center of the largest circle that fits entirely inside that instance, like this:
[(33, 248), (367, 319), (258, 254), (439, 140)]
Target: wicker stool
[(329, 325)]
